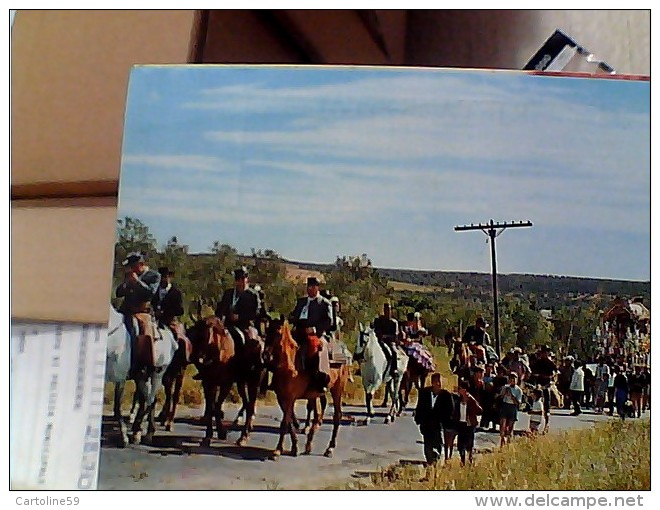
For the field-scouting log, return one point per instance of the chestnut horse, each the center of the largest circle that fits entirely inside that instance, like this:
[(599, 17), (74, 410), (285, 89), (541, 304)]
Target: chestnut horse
[(291, 383), (414, 377), (221, 367)]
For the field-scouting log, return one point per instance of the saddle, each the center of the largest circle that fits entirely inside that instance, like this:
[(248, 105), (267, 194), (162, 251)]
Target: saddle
[(147, 334), (184, 342), (339, 353), (316, 348)]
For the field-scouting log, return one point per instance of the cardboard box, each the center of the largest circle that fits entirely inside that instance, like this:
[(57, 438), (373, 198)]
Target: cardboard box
[(69, 75)]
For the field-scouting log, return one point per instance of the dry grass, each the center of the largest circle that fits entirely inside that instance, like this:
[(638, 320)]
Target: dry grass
[(610, 456), (295, 274), (412, 287)]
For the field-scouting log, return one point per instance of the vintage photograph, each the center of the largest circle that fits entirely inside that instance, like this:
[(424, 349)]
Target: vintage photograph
[(380, 278)]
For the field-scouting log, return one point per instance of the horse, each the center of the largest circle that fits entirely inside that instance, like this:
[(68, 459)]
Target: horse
[(173, 376), (414, 377), (147, 382), (374, 370), (221, 367), (291, 383)]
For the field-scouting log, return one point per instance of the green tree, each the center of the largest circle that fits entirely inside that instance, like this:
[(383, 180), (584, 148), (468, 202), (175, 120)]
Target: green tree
[(361, 290), (269, 272), (213, 274)]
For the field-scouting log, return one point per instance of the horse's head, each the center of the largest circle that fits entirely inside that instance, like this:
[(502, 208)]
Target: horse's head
[(207, 336), (280, 344), (365, 341)]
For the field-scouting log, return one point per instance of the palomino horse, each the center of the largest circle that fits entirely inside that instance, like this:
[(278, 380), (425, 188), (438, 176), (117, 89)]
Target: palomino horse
[(375, 372), (222, 366), (291, 384), (147, 382)]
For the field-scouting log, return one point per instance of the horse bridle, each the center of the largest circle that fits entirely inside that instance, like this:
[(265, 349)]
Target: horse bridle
[(361, 341)]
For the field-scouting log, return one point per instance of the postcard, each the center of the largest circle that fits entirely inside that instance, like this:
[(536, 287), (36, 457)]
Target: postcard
[(294, 307)]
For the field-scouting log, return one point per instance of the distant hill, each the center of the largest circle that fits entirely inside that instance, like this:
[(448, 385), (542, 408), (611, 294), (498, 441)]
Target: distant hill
[(545, 288)]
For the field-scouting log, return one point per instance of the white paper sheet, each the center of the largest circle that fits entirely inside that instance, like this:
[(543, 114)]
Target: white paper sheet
[(57, 379)]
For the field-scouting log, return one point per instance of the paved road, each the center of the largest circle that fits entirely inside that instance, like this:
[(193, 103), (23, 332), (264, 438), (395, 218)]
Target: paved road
[(177, 461)]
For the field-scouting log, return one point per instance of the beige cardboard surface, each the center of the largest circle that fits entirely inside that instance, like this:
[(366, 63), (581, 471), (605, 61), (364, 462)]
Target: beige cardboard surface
[(69, 76), (61, 261), (69, 80)]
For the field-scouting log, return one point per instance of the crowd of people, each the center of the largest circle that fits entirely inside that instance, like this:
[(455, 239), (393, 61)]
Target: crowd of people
[(492, 392)]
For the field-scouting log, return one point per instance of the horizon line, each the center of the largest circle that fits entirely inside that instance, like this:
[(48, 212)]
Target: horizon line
[(548, 275)]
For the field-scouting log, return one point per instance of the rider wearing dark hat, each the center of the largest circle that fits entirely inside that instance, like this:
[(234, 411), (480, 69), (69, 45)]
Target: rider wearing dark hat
[(168, 301), (386, 328), (139, 287), (239, 306), (312, 318), (476, 334)]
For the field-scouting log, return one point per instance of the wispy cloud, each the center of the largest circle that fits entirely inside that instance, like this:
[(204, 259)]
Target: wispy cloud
[(380, 160), (178, 161)]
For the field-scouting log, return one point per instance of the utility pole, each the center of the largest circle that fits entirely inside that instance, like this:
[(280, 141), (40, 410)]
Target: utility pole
[(490, 229)]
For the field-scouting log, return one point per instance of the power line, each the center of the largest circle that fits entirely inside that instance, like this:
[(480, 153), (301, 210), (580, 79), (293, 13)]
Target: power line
[(491, 230)]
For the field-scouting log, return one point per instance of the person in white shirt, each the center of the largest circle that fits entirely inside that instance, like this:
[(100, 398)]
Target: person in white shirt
[(536, 413), (577, 388)]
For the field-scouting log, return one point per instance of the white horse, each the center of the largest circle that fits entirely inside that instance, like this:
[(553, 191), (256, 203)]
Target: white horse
[(147, 384), (374, 370)]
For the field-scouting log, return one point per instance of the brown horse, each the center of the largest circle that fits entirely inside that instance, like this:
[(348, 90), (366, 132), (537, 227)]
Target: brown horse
[(291, 383), (221, 367), (414, 377)]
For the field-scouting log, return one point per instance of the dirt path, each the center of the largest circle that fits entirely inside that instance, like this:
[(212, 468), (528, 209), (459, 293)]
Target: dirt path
[(177, 461)]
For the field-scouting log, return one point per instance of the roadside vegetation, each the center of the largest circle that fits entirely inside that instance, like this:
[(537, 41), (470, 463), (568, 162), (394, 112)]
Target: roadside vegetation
[(613, 456)]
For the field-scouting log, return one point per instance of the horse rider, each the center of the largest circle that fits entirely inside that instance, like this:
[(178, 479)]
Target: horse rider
[(312, 318), (167, 303), (261, 322), (386, 328), (477, 333), (139, 287), (238, 308), (337, 321), (413, 328), (476, 337), (168, 306)]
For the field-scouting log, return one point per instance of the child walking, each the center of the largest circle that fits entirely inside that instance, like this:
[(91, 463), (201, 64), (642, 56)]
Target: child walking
[(536, 413)]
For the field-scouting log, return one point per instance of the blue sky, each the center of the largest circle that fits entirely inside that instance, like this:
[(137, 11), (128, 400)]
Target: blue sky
[(315, 163)]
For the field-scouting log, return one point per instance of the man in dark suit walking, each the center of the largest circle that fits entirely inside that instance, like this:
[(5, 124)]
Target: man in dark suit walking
[(435, 406), (312, 318)]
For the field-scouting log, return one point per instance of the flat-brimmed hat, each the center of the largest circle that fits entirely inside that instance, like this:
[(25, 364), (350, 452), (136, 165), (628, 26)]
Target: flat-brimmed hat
[(164, 271), (132, 258), (241, 272), (481, 320), (312, 281)]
